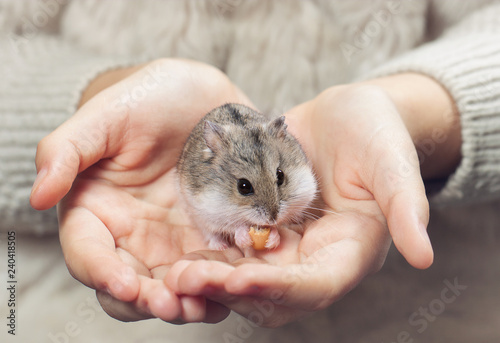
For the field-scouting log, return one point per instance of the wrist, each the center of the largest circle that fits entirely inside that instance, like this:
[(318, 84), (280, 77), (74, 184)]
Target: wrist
[(431, 118)]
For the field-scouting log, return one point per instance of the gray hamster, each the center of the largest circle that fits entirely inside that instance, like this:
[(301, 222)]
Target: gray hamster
[(237, 170)]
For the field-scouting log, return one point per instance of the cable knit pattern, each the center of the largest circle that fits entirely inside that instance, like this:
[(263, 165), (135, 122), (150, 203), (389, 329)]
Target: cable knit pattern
[(279, 52), (465, 60), (34, 100)]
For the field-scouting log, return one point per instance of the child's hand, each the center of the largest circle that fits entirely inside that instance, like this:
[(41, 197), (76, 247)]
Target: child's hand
[(120, 222)]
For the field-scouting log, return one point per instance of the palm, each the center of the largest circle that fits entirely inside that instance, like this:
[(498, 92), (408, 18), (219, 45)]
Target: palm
[(145, 220)]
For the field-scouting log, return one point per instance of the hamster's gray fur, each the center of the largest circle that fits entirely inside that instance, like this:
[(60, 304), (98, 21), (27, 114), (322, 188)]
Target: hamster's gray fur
[(234, 143)]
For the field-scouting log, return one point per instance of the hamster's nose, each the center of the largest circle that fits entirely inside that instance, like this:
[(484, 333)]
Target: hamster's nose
[(273, 214)]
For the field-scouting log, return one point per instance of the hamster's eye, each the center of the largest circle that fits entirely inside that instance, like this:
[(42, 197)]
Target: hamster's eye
[(280, 176), (245, 187)]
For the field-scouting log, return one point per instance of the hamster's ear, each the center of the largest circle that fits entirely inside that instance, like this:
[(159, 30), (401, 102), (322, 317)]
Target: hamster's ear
[(214, 135), (277, 127)]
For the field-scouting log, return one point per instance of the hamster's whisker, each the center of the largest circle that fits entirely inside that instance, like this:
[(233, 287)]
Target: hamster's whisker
[(298, 217), (309, 215), (230, 225), (297, 213), (325, 210)]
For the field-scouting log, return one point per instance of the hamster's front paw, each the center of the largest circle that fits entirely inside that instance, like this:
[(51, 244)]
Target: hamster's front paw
[(217, 243), (242, 238), (274, 239)]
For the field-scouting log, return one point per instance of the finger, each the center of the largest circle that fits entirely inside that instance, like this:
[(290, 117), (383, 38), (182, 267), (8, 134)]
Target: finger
[(198, 277), (162, 302), (207, 278), (327, 271), (194, 288), (190, 309), (120, 310), (193, 308), (89, 251), (399, 190), (408, 228), (261, 311), (215, 312), (205, 274), (204, 277), (154, 300), (187, 277), (288, 286), (91, 134)]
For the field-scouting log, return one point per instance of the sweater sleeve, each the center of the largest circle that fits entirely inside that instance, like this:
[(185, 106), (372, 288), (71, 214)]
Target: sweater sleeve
[(465, 59), (42, 79)]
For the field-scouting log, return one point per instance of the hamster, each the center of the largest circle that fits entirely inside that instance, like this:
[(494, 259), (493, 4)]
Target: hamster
[(237, 170)]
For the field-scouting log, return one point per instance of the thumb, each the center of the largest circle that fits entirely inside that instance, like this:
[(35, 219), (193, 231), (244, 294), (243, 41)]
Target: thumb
[(399, 190), (74, 146), (407, 218)]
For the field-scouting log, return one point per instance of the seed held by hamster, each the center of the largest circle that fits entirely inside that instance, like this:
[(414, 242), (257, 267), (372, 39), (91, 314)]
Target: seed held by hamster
[(240, 169), (259, 235)]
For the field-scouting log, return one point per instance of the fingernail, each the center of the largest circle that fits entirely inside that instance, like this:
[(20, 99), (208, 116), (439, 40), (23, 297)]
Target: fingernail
[(423, 232), (38, 180)]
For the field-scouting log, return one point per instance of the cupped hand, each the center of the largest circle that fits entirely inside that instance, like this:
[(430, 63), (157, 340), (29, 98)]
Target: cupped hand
[(121, 224), (370, 189)]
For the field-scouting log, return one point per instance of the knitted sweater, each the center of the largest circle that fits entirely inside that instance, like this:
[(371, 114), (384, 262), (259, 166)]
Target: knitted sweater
[(280, 53)]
